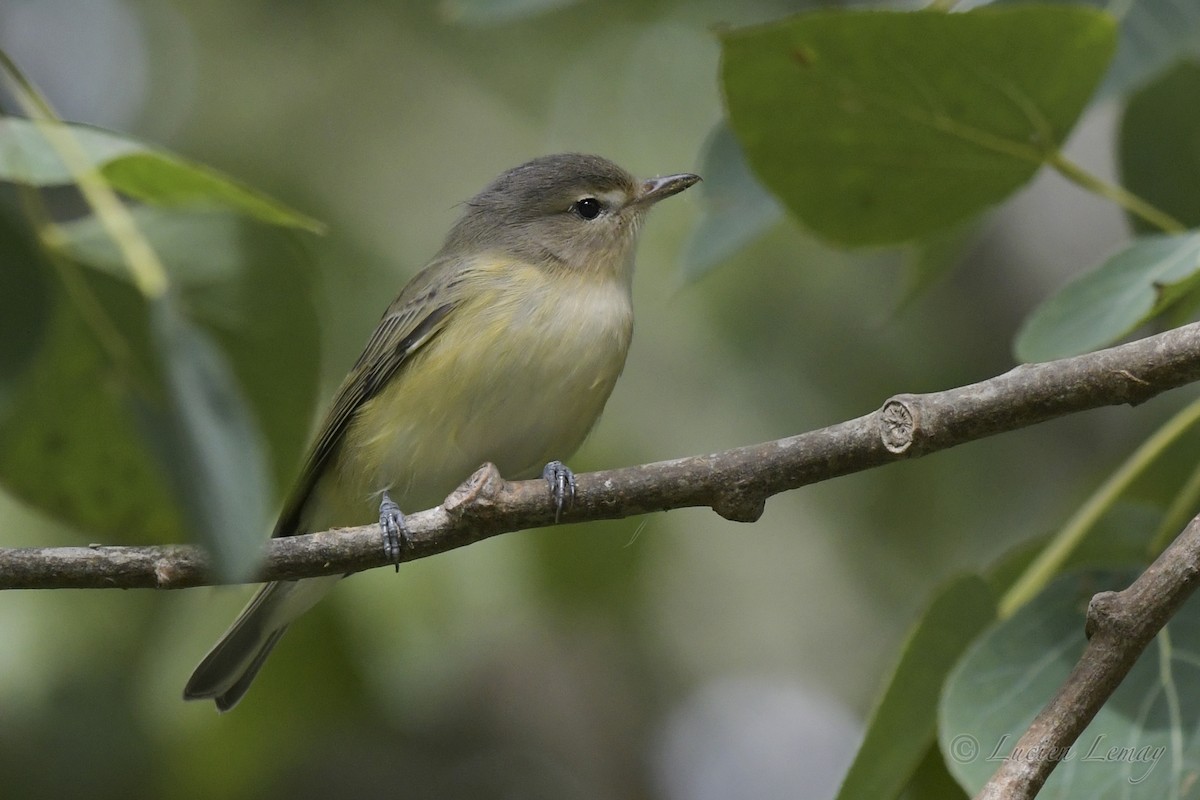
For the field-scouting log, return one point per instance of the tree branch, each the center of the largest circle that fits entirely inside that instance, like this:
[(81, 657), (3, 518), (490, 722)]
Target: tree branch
[(734, 483), (1120, 625)]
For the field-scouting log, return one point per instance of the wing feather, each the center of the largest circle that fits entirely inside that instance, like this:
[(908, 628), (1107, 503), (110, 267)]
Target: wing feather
[(412, 320)]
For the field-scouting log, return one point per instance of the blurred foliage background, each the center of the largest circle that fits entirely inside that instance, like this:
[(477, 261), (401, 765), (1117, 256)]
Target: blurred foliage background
[(673, 656)]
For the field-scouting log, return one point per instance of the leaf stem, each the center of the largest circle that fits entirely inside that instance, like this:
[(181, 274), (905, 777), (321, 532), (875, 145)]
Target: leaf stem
[(1115, 192), (1050, 560), (148, 273)]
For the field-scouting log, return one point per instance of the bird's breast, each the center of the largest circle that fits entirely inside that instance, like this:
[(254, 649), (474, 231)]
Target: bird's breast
[(518, 376)]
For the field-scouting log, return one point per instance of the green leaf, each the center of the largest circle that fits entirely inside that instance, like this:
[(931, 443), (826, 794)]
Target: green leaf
[(208, 444), (1103, 305), (1143, 743), (70, 444), (24, 304), (903, 724), (1151, 35), (266, 323), (147, 174), (251, 288), (932, 781), (164, 180), (1160, 146), (28, 159), (736, 209), (201, 249), (878, 127)]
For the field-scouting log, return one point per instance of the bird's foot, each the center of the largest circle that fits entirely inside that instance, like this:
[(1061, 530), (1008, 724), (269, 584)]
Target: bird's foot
[(396, 537), (562, 485)]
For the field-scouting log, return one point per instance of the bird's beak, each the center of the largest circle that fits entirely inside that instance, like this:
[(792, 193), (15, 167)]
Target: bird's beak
[(655, 189)]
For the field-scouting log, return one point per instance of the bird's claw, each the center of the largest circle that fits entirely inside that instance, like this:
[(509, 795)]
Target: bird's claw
[(562, 485), (396, 537)]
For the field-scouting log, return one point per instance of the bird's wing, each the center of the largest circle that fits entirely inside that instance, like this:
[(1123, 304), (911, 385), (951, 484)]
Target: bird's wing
[(415, 317)]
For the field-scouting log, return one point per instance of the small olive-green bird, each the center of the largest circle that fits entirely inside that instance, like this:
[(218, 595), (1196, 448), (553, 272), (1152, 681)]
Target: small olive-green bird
[(503, 349)]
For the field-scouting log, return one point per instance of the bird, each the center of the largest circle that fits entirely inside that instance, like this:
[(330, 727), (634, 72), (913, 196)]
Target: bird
[(503, 349)]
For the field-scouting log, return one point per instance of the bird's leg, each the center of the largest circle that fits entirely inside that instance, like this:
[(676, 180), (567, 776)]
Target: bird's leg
[(395, 532), (562, 485)]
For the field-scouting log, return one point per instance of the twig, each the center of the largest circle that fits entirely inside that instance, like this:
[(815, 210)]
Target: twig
[(734, 483), (1119, 627)]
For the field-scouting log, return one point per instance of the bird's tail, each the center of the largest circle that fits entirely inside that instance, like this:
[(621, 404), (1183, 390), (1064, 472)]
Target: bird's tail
[(227, 671)]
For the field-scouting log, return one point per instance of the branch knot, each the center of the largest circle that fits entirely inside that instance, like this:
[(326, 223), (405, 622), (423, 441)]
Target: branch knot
[(1104, 612), (740, 503), (898, 421), (477, 494)]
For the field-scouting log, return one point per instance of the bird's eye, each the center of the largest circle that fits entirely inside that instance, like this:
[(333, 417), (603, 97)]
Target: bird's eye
[(588, 207)]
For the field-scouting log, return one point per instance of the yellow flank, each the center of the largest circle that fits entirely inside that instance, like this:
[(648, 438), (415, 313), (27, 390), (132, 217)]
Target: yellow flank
[(517, 377)]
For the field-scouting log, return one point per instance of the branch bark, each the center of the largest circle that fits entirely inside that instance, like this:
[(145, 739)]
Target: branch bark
[(1120, 625), (734, 483)]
